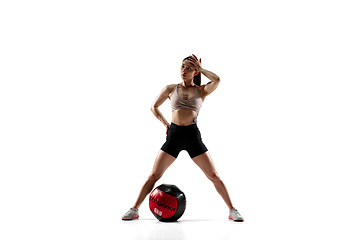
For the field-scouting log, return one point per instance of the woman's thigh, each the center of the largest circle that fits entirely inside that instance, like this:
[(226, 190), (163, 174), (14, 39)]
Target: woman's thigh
[(204, 161), (162, 162)]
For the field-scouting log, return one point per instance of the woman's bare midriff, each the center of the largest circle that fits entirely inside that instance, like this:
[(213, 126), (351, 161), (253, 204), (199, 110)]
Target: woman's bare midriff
[(183, 117)]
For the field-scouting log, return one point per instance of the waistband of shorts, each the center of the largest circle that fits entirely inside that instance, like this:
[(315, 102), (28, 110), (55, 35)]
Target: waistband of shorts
[(184, 127)]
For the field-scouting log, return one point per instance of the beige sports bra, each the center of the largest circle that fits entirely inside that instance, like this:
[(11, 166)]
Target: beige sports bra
[(193, 103)]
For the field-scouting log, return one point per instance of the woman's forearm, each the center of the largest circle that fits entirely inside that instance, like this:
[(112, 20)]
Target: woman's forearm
[(159, 116), (210, 75)]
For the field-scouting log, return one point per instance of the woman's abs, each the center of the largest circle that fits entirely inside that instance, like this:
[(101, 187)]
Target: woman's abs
[(184, 117)]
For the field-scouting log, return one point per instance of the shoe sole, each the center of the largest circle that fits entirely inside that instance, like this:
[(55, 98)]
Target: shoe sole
[(134, 217), (238, 220)]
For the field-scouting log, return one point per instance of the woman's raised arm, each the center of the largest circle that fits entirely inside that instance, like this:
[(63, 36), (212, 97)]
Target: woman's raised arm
[(214, 79)]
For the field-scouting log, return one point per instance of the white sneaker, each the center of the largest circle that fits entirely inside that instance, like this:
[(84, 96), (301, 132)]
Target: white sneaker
[(235, 215), (131, 214)]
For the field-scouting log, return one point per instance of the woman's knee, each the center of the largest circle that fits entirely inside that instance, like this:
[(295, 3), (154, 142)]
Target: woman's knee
[(154, 176), (214, 177)]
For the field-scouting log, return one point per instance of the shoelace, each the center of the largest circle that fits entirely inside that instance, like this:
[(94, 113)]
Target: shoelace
[(131, 210), (236, 211)]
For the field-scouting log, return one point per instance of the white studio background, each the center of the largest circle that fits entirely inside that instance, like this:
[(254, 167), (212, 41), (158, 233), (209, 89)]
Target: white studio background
[(78, 138)]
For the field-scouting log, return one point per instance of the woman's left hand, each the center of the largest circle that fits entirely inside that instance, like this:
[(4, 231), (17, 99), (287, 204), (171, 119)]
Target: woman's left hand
[(197, 63)]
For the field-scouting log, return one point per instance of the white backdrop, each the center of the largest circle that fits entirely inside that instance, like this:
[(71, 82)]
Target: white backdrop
[(78, 138)]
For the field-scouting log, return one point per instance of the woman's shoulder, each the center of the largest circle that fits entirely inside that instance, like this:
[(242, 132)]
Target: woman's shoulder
[(201, 88), (202, 92), (170, 88)]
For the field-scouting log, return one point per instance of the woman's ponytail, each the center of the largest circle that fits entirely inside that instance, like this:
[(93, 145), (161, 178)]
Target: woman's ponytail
[(197, 79)]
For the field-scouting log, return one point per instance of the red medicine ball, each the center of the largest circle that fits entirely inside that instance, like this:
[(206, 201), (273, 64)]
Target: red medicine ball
[(167, 203)]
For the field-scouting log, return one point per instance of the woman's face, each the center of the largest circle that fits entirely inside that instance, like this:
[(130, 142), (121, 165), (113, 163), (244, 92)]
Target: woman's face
[(187, 71)]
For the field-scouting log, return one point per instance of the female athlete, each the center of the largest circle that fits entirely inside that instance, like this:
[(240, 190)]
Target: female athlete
[(183, 134)]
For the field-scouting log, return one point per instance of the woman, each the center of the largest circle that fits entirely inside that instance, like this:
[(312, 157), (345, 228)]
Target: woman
[(183, 134)]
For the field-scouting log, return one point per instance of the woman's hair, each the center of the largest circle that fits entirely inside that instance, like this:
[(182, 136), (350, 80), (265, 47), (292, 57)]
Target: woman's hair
[(197, 78)]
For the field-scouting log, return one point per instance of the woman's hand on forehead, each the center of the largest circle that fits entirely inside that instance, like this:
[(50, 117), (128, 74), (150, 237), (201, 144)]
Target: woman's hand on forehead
[(194, 61)]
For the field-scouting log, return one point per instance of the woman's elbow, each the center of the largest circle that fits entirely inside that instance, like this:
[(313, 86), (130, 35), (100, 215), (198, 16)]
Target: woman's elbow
[(153, 108)]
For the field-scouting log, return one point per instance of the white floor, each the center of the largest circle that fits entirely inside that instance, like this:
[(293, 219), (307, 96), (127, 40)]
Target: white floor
[(85, 199), (205, 229), (184, 229), (279, 225)]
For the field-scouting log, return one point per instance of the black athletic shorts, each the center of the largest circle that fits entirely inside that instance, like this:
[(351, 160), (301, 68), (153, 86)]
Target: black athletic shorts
[(184, 138)]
